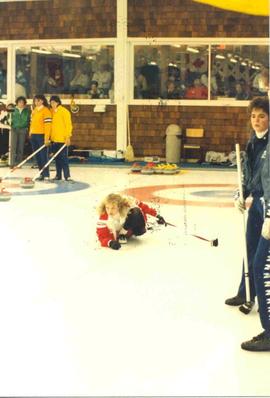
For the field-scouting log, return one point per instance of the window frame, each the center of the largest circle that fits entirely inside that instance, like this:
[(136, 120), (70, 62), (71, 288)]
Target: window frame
[(12, 45), (3, 46), (194, 41)]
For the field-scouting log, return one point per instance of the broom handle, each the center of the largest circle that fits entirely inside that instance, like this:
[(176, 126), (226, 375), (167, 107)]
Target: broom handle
[(49, 161), (23, 162), (128, 126), (240, 186)]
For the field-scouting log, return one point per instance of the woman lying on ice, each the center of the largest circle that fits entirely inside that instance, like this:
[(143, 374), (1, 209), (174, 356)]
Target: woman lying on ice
[(120, 217)]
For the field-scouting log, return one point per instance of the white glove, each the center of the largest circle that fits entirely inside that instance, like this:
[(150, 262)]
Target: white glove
[(240, 205), (266, 229)]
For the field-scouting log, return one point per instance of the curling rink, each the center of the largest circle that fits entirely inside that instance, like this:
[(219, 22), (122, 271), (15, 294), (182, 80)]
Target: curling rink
[(149, 319)]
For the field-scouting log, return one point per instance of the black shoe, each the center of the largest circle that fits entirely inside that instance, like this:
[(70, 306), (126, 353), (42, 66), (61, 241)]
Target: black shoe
[(235, 301), (258, 343), (56, 178), (70, 180), (40, 178)]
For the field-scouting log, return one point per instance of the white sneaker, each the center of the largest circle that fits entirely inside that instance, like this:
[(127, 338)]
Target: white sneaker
[(122, 239)]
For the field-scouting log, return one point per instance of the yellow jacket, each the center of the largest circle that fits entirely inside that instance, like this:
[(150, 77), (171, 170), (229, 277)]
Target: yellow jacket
[(61, 124), (41, 122)]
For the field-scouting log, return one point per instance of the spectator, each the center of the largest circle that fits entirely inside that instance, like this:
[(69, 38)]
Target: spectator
[(4, 131), (151, 73), (54, 83), (172, 91), (20, 124), (80, 82), (197, 91), (104, 78), (94, 92), (241, 93), (3, 81), (140, 89)]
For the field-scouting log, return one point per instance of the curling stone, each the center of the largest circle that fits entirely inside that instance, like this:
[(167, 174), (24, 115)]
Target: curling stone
[(4, 195), (214, 242), (27, 183)]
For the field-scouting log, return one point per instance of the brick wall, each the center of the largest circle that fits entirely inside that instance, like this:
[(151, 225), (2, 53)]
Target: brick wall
[(223, 127), (186, 18), (94, 130), (61, 19)]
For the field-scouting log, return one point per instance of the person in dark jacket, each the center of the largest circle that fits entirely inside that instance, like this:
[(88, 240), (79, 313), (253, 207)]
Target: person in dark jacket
[(261, 267), (19, 124), (4, 132), (252, 186)]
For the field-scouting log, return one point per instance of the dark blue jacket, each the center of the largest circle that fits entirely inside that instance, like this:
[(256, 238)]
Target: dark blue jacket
[(266, 179), (253, 165)]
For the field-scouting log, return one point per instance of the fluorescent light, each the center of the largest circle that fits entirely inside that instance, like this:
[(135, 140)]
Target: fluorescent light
[(244, 63), (233, 60), (219, 56), (39, 51), (72, 55), (152, 63), (177, 45), (192, 50)]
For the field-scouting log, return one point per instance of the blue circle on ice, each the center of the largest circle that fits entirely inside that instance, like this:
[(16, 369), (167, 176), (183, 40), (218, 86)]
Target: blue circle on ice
[(54, 187)]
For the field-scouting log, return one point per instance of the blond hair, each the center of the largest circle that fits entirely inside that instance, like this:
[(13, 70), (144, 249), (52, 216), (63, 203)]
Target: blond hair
[(122, 203)]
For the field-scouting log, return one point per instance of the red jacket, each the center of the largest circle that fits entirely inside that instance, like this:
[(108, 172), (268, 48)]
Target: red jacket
[(106, 233)]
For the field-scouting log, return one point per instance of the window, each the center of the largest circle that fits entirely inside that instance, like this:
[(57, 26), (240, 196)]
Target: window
[(3, 73), (239, 72), (85, 71), (171, 72)]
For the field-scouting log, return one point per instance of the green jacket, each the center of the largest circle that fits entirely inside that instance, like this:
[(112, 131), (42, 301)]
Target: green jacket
[(20, 120)]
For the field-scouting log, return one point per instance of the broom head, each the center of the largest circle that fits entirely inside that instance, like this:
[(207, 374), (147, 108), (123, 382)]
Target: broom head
[(129, 154)]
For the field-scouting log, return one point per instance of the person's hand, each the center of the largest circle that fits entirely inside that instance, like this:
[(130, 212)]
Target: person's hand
[(47, 142), (240, 205), (114, 244), (266, 229), (67, 141), (161, 220)]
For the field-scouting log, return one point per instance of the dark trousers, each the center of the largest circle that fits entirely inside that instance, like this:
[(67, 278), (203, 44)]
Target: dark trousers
[(18, 137), (262, 282), (253, 234), (135, 222), (61, 161), (37, 140), (4, 141)]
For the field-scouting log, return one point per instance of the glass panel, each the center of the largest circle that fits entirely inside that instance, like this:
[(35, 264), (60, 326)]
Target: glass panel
[(3, 73), (86, 71), (171, 72), (239, 72)]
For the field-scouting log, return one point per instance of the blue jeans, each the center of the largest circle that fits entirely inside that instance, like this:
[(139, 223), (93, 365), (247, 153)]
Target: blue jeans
[(253, 234), (61, 161), (37, 140), (262, 281)]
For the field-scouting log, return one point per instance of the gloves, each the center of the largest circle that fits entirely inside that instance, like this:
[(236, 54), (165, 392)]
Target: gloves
[(266, 229), (67, 141), (114, 244), (240, 205), (161, 220)]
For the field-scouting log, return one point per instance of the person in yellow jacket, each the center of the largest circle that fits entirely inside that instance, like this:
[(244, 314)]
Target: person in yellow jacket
[(40, 132), (60, 134)]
